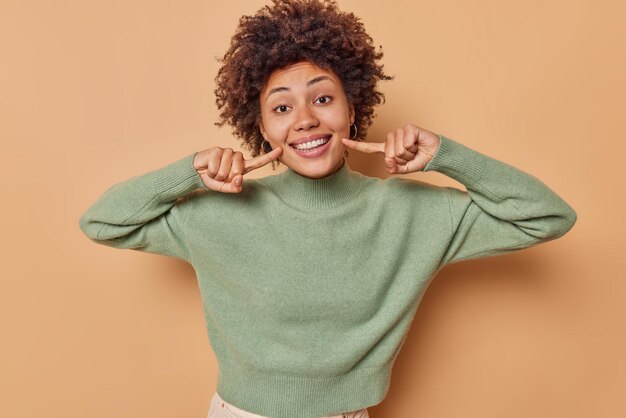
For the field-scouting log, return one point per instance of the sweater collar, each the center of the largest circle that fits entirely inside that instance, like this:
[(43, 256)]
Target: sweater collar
[(321, 193)]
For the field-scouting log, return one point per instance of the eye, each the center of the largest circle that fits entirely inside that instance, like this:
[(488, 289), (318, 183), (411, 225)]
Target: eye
[(280, 109), (324, 99)]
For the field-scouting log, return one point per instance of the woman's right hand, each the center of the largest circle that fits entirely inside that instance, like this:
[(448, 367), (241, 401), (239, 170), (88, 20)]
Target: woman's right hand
[(222, 169)]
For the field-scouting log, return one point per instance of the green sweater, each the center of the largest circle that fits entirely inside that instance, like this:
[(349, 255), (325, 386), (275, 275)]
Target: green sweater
[(310, 285)]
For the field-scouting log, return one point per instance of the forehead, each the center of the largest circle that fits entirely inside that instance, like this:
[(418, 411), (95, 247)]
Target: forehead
[(298, 74)]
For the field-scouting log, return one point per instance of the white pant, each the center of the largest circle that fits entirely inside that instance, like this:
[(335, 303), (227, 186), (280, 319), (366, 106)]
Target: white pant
[(222, 409)]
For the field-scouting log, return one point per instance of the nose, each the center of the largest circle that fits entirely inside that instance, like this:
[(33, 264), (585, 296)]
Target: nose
[(305, 119)]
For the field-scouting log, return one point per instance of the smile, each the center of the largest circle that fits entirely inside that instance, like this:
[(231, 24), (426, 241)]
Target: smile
[(314, 148), (311, 144)]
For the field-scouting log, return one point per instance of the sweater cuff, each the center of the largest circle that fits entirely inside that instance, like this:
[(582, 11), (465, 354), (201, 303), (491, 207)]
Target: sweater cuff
[(178, 178), (457, 161)]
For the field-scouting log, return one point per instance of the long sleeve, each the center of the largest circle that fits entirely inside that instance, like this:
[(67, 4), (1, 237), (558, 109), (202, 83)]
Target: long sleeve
[(142, 213), (504, 208)]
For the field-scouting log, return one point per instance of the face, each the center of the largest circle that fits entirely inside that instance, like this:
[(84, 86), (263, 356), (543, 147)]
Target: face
[(305, 111)]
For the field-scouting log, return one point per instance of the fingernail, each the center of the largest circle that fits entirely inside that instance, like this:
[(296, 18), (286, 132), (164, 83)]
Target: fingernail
[(238, 182)]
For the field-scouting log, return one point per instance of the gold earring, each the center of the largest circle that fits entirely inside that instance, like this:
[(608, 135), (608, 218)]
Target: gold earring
[(355, 131)]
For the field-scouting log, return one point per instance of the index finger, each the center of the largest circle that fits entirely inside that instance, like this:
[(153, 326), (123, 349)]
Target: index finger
[(369, 147), (261, 160)]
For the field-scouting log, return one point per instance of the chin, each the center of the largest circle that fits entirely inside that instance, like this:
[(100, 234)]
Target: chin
[(315, 169)]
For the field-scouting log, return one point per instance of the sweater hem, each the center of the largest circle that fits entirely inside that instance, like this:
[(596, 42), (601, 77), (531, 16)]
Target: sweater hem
[(178, 178), (457, 161), (288, 396)]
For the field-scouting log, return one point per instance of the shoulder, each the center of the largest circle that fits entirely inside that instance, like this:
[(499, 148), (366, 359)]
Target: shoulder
[(202, 199), (406, 187), (396, 192)]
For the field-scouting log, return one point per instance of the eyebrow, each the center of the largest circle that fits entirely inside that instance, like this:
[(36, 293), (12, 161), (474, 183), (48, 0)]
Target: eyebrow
[(308, 84)]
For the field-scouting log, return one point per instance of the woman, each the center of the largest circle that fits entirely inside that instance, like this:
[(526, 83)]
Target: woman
[(310, 278)]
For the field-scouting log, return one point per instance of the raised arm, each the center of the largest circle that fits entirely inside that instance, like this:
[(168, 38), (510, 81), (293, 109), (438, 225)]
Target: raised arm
[(145, 212), (141, 213), (504, 208)]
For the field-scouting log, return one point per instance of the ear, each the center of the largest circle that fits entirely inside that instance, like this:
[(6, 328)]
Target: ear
[(352, 114), (262, 129)]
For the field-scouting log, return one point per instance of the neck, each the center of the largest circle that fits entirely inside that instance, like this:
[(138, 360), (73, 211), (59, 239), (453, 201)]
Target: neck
[(338, 167), (329, 191)]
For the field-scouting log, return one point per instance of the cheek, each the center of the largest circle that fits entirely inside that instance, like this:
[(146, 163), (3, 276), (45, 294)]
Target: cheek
[(339, 115), (279, 131), (339, 121), (275, 128)]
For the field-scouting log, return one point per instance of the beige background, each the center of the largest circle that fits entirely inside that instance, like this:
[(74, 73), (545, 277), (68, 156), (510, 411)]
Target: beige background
[(94, 92)]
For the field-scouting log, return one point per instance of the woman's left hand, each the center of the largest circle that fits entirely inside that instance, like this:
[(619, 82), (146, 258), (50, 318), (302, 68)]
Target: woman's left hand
[(407, 150)]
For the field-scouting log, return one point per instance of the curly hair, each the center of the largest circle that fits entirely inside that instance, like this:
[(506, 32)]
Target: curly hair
[(287, 32)]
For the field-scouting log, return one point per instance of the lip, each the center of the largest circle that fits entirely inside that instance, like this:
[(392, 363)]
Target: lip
[(315, 153)]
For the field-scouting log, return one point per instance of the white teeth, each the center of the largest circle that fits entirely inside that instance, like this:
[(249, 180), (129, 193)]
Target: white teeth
[(312, 144)]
